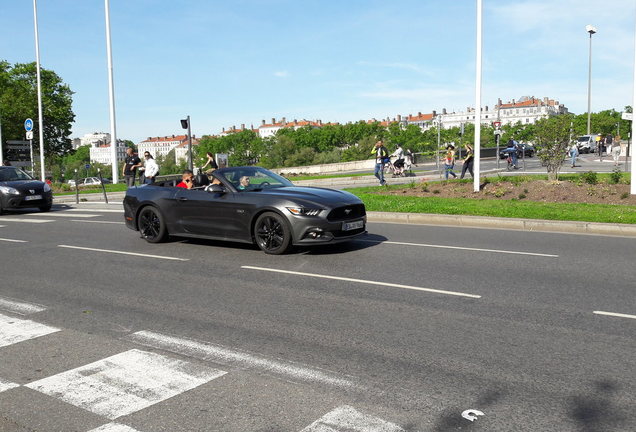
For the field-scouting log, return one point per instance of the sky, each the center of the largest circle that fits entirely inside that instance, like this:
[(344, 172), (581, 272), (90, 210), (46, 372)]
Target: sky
[(227, 63)]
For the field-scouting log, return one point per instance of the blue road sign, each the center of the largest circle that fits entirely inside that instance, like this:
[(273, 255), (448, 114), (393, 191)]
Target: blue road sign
[(87, 166), (28, 125)]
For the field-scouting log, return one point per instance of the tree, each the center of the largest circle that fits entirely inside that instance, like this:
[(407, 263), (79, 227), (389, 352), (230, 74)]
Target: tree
[(19, 101), (552, 142)]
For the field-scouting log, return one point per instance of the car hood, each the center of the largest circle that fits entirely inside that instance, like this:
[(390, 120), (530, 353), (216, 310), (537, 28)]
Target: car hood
[(24, 185), (317, 195)]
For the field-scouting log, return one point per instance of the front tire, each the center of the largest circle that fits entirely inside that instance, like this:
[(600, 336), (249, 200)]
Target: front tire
[(272, 234), (152, 225), (44, 208)]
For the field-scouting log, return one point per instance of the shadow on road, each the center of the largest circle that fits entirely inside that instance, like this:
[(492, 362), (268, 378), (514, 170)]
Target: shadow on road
[(595, 411)]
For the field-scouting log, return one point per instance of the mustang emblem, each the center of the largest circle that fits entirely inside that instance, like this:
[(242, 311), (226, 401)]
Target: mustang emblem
[(347, 211), (32, 191)]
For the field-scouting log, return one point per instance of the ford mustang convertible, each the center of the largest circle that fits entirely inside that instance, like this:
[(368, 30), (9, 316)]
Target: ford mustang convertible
[(245, 204)]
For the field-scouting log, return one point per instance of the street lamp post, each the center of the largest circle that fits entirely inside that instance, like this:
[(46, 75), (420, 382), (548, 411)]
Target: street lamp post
[(591, 30)]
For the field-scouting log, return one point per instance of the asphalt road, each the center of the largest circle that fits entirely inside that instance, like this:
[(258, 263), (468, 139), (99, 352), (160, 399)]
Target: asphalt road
[(402, 331)]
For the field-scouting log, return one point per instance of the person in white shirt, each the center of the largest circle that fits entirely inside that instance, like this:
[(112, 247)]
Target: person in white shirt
[(151, 169), (399, 160)]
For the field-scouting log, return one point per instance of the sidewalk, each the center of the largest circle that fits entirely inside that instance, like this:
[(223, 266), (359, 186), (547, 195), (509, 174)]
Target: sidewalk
[(96, 201)]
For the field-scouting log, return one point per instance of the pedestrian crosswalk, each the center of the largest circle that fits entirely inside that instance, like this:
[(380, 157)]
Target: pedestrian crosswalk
[(159, 370), (83, 214)]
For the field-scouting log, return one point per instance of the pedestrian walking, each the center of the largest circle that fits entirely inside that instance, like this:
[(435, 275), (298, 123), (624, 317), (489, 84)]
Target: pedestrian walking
[(131, 163), (573, 152), (381, 158), (449, 161), (150, 169), (468, 162), (616, 152)]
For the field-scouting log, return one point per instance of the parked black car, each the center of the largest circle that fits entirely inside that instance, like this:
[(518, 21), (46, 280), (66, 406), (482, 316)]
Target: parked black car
[(270, 211), (528, 148), (19, 190)]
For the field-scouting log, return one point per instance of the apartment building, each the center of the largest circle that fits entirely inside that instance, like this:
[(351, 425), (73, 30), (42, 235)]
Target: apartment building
[(161, 146), (101, 153)]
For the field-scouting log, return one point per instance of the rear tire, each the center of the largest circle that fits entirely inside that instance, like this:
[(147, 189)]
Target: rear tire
[(152, 226), (272, 234), (44, 208)]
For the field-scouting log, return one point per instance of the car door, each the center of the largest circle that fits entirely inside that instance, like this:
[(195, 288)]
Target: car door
[(210, 214)]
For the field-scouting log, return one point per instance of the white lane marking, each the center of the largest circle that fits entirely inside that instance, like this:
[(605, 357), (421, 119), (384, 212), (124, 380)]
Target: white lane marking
[(348, 419), (14, 330), (62, 214), (19, 307), (123, 253), (464, 248), (93, 210), (614, 314), (114, 427), (13, 240), (9, 219), (207, 351), (363, 281), (97, 222), (125, 383), (2, 226), (6, 385)]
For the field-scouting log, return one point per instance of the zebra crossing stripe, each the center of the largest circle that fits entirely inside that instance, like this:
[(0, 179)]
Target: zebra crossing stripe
[(18, 307), (348, 419), (114, 427), (125, 383), (6, 385), (210, 352), (14, 330)]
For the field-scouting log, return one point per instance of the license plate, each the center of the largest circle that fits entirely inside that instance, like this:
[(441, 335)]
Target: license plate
[(32, 197), (348, 226)]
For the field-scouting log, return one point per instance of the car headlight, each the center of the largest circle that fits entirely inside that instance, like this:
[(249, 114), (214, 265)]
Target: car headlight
[(9, 190), (47, 188), (304, 211)]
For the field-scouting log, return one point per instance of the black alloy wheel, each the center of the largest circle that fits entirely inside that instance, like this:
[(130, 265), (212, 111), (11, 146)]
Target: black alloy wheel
[(151, 225), (272, 234)]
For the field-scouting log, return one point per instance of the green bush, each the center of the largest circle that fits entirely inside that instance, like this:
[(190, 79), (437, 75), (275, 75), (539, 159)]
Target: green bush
[(590, 177), (616, 176)]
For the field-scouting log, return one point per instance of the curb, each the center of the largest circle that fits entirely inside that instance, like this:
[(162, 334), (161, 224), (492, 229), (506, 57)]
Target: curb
[(539, 225)]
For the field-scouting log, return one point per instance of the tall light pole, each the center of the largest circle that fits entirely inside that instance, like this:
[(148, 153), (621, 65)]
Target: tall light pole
[(477, 145), (37, 61), (111, 97), (591, 30)]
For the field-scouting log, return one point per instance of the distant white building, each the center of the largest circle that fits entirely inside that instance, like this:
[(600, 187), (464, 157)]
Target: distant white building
[(527, 110), (92, 139), (101, 153), (161, 146)]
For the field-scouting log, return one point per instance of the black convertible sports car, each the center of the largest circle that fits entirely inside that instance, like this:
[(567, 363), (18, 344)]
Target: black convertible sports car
[(245, 204), (19, 190)]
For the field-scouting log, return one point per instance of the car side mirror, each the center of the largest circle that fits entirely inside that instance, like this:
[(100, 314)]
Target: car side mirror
[(215, 188)]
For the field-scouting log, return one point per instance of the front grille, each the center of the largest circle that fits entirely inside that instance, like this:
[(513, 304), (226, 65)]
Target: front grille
[(349, 212)]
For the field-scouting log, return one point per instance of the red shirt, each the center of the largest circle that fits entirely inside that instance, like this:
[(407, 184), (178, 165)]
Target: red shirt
[(182, 185)]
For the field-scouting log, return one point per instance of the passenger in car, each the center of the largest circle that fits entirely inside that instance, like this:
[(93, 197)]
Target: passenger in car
[(244, 183), (187, 180)]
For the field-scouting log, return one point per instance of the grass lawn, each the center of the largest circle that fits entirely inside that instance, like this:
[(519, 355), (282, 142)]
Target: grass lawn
[(91, 189), (507, 208)]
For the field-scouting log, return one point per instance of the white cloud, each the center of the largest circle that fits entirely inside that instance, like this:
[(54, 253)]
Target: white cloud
[(281, 74)]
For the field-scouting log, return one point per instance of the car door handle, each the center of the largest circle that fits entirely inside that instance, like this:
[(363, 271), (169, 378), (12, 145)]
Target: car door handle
[(182, 199)]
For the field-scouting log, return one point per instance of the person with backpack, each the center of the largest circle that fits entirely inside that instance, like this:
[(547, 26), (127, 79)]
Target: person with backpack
[(468, 162), (512, 149), (381, 158)]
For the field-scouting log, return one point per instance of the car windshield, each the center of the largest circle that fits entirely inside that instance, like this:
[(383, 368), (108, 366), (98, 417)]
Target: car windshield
[(584, 139), (12, 174), (253, 178)]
